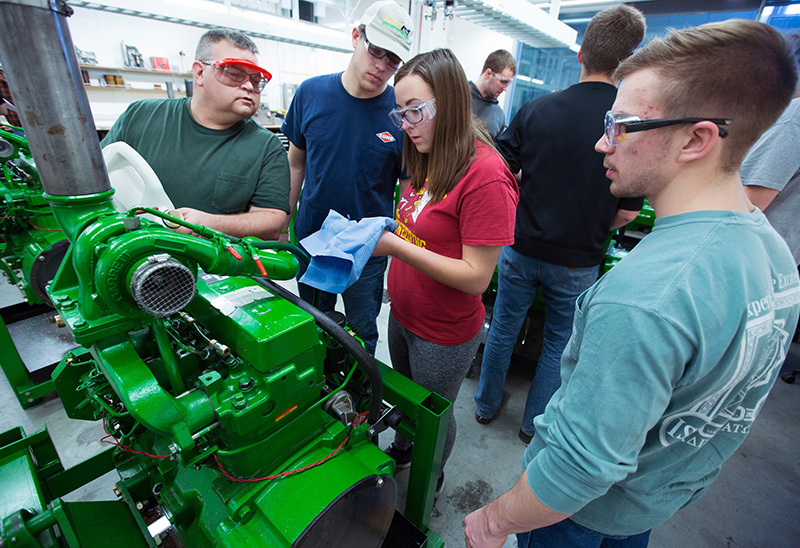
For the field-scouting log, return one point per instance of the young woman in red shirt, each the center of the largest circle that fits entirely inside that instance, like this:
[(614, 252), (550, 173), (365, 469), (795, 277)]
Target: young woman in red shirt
[(454, 218)]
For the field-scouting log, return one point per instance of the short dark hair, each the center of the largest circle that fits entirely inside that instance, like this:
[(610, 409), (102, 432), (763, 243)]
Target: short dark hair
[(499, 60), (739, 70), (237, 39), (610, 38)]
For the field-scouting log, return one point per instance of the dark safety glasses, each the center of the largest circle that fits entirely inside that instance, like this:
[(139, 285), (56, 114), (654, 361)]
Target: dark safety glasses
[(617, 124), (392, 61), (413, 114), (231, 72)]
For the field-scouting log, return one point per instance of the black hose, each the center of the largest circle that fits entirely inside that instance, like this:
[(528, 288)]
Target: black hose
[(342, 337), (297, 251)]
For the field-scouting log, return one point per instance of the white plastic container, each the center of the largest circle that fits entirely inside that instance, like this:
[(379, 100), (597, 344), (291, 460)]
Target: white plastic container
[(134, 182)]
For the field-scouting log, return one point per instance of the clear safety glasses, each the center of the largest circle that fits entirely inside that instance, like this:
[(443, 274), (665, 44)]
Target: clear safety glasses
[(414, 114), (393, 62), (617, 124), (503, 81), (231, 72)]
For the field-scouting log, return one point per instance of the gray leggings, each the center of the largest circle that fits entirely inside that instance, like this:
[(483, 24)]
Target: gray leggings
[(437, 368)]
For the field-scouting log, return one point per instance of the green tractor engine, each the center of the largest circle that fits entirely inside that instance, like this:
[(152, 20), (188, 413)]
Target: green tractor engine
[(32, 244)]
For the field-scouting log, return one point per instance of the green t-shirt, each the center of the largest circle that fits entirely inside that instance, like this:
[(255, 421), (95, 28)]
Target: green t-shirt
[(216, 171)]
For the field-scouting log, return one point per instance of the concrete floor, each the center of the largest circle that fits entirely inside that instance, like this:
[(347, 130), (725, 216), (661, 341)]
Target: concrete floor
[(754, 503)]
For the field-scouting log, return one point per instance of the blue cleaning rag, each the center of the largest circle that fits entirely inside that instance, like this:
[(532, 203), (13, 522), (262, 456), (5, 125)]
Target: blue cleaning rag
[(340, 249)]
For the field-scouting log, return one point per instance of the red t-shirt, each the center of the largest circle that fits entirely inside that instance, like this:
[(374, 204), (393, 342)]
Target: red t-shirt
[(480, 210)]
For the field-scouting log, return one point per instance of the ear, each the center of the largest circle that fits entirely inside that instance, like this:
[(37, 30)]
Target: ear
[(197, 73), (580, 59), (355, 35), (487, 74), (700, 140)]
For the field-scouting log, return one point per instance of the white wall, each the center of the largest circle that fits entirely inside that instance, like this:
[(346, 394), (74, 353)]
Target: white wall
[(470, 42), (103, 32)]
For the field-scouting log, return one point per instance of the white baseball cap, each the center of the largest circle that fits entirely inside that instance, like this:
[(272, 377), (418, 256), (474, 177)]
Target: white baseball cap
[(389, 27)]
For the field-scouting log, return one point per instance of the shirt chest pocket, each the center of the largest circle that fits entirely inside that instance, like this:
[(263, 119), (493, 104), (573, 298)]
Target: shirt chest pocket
[(232, 193), (378, 164)]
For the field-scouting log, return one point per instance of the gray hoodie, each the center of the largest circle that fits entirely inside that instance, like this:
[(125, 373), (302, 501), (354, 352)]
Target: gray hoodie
[(487, 110)]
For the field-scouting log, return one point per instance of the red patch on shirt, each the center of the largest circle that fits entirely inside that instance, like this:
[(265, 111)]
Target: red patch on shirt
[(386, 137)]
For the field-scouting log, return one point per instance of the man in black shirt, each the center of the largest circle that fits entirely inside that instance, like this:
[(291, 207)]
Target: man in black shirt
[(564, 214)]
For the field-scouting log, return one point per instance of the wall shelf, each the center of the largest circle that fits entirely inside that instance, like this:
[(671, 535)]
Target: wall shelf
[(109, 100), (136, 70)]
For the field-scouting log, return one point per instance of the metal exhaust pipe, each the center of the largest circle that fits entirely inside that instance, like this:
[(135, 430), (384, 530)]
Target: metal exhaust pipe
[(39, 61)]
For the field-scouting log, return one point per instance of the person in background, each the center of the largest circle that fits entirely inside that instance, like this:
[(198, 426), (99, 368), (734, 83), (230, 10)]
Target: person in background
[(342, 144), (499, 70), (771, 170), (564, 215), (453, 220), (7, 102), (220, 168), (675, 349)]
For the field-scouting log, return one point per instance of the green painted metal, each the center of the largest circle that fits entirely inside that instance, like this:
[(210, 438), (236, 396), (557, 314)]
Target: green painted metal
[(29, 238), (28, 229), (99, 523), (22, 490), (254, 403), (26, 391), (32, 481), (232, 386), (616, 247), (426, 416)]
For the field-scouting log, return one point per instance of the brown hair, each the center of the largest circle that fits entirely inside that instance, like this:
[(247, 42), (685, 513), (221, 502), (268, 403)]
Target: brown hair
[(499, 60), (610, 38), (740, 70), (456, 128)]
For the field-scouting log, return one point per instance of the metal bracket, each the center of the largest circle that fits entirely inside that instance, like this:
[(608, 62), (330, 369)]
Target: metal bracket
[(389, 419)]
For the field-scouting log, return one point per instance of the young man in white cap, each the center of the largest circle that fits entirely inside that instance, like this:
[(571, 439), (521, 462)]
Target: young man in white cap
[(345, 148)]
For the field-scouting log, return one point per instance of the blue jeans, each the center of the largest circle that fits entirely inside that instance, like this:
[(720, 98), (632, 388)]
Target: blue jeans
[(362, 301), (519, 278), (568, 534)]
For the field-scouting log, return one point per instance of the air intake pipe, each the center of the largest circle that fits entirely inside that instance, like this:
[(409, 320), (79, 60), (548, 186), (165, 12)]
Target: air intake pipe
[(42, 70)]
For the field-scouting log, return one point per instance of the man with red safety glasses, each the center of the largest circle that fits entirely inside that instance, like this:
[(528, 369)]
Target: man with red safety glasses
[(220, 168)]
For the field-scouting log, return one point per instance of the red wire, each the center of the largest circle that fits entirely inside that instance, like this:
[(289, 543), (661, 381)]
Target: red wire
[(288, 472), (275, 476), (219, 464), (50, 229), (125, 447)]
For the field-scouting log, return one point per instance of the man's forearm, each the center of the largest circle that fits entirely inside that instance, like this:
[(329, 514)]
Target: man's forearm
[(297, 177), (264, 223), (297, 174), (517, 510)]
